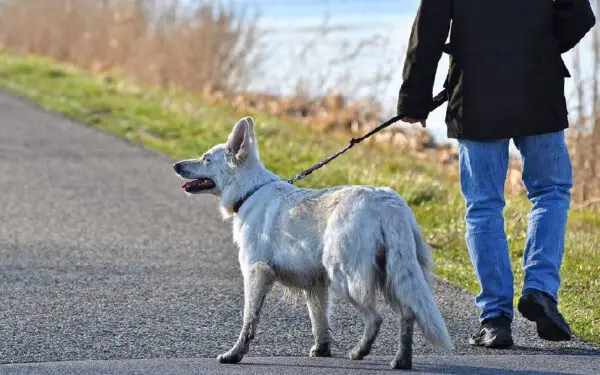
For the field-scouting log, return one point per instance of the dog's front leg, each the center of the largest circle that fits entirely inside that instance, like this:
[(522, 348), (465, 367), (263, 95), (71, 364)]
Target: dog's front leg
[(317, 301), (257, 283)]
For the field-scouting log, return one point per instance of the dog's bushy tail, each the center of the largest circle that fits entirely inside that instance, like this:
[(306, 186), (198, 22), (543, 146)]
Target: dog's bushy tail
[(407, 277)]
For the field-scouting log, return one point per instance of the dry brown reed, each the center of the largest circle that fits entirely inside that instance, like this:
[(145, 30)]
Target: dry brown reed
[(584, 135), (205, 48)]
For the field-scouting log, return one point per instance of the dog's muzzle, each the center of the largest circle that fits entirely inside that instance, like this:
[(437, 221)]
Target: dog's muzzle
[(195, 185)]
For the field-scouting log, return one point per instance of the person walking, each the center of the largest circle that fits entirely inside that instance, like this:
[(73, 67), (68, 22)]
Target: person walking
[(505, 81)]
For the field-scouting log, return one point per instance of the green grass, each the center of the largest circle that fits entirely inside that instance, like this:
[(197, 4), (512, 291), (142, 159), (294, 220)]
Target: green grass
[(183, 126)]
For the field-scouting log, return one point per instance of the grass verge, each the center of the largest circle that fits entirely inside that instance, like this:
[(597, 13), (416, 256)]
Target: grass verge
[(183, 126)]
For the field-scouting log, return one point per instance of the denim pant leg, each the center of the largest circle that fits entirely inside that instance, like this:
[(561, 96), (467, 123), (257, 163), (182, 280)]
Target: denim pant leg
[(483, 168), (547, 176)]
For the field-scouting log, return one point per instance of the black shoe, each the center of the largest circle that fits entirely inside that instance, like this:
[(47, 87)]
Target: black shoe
[(540, 308), (494, 333)]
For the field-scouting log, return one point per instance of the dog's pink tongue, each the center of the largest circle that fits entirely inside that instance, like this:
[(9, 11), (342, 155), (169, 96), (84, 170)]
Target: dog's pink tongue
[(186, 185)]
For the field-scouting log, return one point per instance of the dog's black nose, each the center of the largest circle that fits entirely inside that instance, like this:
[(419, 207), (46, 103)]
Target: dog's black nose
[(177, 167)]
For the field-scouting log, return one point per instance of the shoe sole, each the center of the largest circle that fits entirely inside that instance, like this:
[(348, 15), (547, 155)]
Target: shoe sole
[(547, 328), (494, 344)]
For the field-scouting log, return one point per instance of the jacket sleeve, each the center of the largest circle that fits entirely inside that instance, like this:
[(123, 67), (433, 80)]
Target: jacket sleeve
[(572, 20), (427, 39)]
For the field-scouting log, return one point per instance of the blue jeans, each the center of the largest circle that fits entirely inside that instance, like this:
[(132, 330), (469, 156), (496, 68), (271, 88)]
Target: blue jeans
[(547, 176)]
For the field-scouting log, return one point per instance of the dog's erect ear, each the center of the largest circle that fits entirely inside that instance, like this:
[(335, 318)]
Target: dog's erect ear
[(242, 142)]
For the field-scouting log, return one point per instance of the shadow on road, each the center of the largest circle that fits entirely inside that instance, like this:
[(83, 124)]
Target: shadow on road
[(529, 350), (419, 369)]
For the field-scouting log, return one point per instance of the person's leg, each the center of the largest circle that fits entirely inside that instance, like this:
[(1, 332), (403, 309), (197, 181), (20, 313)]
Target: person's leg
[(547, 176), (483, 168)]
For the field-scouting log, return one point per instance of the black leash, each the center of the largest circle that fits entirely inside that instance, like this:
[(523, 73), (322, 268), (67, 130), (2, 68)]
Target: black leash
[(438, 100)]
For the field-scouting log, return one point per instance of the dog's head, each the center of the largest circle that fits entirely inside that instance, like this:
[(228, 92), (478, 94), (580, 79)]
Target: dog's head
[(216, 169)]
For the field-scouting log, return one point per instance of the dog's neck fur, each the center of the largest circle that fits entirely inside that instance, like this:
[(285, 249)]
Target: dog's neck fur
[(245, 184)]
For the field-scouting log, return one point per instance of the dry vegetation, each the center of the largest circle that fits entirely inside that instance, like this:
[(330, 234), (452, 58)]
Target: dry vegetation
[(585, 133), (208, 48)]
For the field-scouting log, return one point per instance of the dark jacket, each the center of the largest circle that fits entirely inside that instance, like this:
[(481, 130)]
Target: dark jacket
[(506, 75)]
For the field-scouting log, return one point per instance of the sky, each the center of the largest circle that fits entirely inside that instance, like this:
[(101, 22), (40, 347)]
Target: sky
[(297, 51)]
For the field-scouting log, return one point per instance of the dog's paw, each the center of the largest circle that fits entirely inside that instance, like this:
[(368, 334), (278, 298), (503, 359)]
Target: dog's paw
[(320, 350), (358, 353), (401, 364), (230, 357)]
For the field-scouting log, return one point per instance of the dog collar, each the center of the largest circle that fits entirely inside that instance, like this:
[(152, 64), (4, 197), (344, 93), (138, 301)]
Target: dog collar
[(242, 200)]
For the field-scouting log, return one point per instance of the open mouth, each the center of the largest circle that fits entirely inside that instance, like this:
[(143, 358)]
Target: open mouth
[(198, 186)]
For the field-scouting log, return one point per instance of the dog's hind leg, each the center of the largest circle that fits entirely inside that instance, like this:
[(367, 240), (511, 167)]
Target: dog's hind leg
[(361, 295), (317, 301), (403, 359), (372, 321), (349, 258), (257, 283), (359, 290)]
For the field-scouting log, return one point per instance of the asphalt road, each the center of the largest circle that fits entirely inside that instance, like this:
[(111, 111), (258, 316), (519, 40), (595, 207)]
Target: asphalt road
[(423, 365), (102, 257)]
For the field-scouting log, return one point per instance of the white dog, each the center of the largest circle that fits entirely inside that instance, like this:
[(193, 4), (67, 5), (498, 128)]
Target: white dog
[(359, 240)]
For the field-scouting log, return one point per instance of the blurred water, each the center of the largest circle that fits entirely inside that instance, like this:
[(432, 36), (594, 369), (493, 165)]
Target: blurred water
[(273, 9)]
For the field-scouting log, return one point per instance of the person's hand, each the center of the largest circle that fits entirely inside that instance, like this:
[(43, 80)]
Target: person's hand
[(411, 120)]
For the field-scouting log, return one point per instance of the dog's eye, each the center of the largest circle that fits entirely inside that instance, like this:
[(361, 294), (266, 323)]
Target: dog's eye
[(205, 159)]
